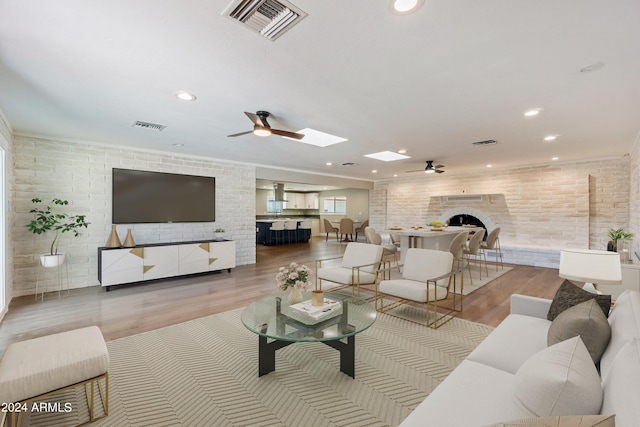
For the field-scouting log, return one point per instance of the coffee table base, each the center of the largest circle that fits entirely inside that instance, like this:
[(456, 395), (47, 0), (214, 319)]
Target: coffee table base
[(267, 354)]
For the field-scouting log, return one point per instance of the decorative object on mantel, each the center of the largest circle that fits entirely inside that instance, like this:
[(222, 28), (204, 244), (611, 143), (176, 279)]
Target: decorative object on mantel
[(615, 235), (219, 234), (48, 219), (128, 241), (294, 277), (113, 241)]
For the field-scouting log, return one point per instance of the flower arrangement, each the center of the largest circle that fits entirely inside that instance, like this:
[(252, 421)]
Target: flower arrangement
[(294, 276)]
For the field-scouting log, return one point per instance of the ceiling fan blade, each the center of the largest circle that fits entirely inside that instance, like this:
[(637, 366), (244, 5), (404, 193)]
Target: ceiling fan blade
[(256, 119), (417, 170), (241, 133), (287, 134), (439, 166), (439, 171)]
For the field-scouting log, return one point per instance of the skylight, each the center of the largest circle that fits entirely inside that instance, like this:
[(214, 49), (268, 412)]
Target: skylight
[(317, 138), (387, 156)]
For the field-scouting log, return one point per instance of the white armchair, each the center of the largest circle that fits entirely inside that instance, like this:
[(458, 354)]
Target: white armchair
[(359, 266), (426, 278)]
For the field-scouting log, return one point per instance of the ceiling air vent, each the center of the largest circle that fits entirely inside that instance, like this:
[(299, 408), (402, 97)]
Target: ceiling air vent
[(269, 18), (483, 143), (146, 125)]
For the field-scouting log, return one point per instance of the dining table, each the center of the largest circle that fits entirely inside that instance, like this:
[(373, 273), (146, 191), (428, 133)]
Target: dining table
[(427, 237)]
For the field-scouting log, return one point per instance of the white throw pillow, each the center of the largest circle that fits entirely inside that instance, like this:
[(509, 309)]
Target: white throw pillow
[(559, 380), (621, 385)]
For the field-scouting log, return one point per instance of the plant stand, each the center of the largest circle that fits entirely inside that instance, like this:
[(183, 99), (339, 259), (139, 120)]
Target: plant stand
[(55, 277)]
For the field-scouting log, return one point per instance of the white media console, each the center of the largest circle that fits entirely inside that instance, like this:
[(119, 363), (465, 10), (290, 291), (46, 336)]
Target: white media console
[(118, 266)]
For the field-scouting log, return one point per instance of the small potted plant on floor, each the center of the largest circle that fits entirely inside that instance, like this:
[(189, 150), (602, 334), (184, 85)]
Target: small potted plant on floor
[(47, 218), (219, 233)]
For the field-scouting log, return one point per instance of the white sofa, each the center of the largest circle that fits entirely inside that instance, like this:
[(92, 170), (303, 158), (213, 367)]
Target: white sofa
[(480, 391)]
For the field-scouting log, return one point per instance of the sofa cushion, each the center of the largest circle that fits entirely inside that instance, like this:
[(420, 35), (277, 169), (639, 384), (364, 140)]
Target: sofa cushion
[(622, 384), (559, 380), (562, 421), (472, 395), (625, 325), (512, 343), (586, 320), (569, 295)]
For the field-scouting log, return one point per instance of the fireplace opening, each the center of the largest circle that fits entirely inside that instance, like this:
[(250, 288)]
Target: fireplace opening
[(465, 219)]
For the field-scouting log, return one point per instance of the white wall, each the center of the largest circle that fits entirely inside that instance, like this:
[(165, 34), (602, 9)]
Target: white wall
[(81, 173)]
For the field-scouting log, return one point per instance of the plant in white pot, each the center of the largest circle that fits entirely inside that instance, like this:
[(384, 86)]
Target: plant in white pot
[(47, 218), (219, 233)]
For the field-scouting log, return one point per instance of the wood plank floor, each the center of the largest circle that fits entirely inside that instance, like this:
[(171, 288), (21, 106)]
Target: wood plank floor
[(132, 309)]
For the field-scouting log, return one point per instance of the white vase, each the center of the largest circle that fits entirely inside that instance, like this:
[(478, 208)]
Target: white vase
[(48, 260), (295, 296)]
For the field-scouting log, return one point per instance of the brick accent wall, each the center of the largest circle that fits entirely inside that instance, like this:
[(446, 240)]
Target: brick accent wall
[(5, 140), (634, 195), (81, 173), (538, 208)]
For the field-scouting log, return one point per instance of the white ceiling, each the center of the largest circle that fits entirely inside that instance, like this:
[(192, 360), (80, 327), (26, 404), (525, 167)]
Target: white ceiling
[(432, 82)]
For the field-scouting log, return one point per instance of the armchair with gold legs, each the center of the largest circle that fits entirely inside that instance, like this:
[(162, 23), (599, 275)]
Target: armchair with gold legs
[(358, 266), (427, 275)]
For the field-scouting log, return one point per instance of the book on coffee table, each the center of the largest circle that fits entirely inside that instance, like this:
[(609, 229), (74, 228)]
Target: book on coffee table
[(315, 312)]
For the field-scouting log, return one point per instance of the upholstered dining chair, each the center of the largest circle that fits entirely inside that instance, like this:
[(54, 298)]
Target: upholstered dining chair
[(426, 278), (346, 229), (473, 249), (359, 266), (457, 250), (360, 229), (328, 228), (374, 238), (492, 243)]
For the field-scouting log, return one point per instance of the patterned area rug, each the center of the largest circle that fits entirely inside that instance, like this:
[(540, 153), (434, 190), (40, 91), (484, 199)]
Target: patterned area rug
[(205, 373)]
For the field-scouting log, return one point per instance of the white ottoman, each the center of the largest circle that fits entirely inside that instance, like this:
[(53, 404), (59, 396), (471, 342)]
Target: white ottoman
[(35, 368)]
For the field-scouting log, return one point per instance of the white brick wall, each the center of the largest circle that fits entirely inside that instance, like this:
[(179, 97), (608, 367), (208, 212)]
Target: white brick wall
[(81, 173), (538, 208), (634, 196)]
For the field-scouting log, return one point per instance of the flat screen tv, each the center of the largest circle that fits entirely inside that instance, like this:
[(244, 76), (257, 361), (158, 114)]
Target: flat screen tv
[(156, 197)]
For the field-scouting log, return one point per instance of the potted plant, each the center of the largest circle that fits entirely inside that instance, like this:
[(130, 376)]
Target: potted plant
[(219, 234), (614, 235), (47, 218)]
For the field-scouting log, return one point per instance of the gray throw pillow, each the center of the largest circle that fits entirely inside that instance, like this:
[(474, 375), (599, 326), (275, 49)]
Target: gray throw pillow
[(586, 320), (569, 295)]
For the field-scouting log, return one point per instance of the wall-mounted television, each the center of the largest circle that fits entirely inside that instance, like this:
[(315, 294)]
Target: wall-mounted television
[(157, 197)]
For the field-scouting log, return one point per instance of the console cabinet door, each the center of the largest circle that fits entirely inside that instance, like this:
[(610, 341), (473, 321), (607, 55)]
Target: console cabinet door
[(160, 261), (194, 258), (122, 266), (222, 255)]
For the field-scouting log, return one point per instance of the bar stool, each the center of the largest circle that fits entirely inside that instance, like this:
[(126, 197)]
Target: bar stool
[(493, 243), (305, 226), (290, 226), (276, 227)]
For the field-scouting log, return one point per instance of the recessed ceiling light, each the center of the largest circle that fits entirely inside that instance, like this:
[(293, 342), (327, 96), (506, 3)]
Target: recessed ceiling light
[(489, 166), (395, 175), (374, 171), (185, 96), (402, 7), (329, 164), (402, 151), (550, 137), (387, 156), (533, 112), (178, 145), (317, 138), (555, 158), (592, 67)]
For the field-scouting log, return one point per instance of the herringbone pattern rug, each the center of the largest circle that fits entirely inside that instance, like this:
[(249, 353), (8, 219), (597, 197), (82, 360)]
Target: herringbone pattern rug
[(205, 373)]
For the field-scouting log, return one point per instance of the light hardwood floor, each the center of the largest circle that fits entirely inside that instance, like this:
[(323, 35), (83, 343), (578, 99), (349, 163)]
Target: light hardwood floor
[(132, 309)]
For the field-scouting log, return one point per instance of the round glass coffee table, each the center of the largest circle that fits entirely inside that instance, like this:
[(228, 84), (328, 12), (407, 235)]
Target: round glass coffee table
[(277, 326)]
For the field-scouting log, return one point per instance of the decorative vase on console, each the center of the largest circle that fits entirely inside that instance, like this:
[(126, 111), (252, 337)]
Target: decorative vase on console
[(128, 241), (113, 241), (294, 278)]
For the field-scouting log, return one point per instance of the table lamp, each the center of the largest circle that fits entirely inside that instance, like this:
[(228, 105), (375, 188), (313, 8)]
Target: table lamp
[(591, 266)]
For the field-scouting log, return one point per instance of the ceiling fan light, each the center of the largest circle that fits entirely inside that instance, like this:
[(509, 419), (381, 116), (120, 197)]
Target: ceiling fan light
[(430, 171), (261, 131)]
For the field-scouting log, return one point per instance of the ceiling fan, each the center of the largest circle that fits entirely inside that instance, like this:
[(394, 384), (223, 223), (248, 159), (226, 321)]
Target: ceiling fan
[(262, 128), (430, 168)]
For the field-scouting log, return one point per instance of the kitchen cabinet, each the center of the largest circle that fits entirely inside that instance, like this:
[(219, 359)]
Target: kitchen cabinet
[(293, 201), (311, 201), (117, 266)]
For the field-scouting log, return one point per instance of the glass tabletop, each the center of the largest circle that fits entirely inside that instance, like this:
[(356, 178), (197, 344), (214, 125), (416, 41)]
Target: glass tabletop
[(273, 318)]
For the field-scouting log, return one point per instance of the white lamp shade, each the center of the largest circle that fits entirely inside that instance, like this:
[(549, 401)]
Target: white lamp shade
[(586, 265)]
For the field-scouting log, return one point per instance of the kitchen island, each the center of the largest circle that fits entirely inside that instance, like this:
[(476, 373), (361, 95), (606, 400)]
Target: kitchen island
[(267, 238)]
